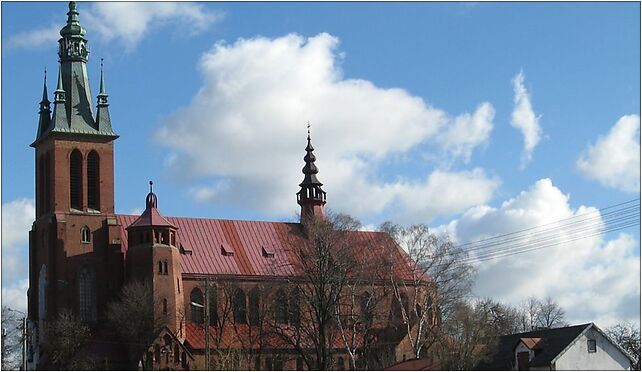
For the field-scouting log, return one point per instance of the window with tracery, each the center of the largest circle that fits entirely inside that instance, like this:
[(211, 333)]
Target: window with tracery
[(86, 294), (197, 305), (240, 313)]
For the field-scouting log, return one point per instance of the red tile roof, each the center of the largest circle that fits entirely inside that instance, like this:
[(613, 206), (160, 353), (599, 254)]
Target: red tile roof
[(532, 342), (206, 240)]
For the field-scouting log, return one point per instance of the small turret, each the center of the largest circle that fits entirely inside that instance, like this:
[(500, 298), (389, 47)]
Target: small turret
[(45, 110), (311, 197), (60, 118), (103, 121)]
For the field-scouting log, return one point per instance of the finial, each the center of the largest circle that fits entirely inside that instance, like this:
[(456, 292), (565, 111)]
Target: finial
[(150, 186), (308, 129), (45, 74), (102, 80), (45, 100)]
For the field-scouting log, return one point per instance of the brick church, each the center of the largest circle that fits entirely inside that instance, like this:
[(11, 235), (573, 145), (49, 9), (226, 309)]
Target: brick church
[(221, 286)]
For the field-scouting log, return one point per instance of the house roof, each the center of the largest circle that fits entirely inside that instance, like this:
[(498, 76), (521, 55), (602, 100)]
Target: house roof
[(553, 342), (414, 365), (206, 244), (532, 342)]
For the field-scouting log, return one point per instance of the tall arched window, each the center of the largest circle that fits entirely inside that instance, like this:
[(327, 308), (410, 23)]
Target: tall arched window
[(93, 180), (197, 305), (86, 303), (295, 309), (85, 235), (47, 183), (75, 179), (212, 306), (40, 200), (281, 307), (367, 307), (238, 304), (254, 306)]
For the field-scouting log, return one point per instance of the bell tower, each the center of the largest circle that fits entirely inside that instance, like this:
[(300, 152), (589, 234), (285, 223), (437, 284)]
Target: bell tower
[(311, 197)]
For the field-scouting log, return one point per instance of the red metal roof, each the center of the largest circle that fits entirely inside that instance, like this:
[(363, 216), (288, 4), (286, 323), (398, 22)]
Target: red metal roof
[(247, 239)]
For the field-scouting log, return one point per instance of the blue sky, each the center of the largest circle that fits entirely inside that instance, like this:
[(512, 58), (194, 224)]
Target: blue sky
[(475, 118)]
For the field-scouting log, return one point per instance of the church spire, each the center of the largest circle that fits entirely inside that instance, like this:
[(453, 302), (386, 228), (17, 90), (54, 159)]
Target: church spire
[(103, 120), (45, 109), (59, 118), (311, 197)]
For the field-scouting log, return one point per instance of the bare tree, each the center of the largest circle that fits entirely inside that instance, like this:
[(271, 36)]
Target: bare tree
[(550, 314), (628, 337), (66, 336), (324, 260), (529, 310), (12, 339), (440, 279), (132, 315), (503, 319), (470, 337)]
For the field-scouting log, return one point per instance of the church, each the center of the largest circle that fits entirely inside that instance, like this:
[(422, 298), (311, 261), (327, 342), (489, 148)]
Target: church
[(230, 293)]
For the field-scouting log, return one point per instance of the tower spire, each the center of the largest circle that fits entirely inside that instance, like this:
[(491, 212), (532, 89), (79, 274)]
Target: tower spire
[(103, 120), (311, 197), (45, 109)]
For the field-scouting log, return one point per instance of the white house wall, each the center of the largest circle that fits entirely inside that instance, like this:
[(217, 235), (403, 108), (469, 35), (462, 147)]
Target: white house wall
[(606, 357)]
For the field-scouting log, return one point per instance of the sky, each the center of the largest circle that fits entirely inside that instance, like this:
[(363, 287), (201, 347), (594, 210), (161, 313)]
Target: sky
[(477, 119)]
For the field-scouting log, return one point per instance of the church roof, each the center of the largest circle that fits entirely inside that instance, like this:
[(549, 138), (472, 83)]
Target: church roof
[(234, 247)]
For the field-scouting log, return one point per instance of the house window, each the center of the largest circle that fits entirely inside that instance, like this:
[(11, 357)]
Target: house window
[(240, 313), (85, 235), (592, 346), (196, 302)]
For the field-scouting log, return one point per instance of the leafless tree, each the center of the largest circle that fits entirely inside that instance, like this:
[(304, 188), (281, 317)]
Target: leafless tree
[(440, 279), (550, 314), (12, 339), (132, 315), (66, 336), (503, 319), (529, 310), (627, 336), (324, 260), (470, 337)]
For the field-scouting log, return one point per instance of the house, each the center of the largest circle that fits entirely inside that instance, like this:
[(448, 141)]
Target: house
[(216, 284), (579, 347)]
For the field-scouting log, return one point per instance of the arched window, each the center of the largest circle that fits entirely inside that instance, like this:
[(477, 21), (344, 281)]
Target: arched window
[(160, 267), (75, 180), (238, 304), (85, 235), (93, 180), (165, 267), (367, 307), (254, 306), (213, 306), (295, 309), (164, 306), (197, 305), (86, 294), (47, 183), (281, 307)]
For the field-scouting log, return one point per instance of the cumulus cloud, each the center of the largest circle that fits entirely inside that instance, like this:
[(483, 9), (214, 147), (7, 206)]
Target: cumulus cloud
[(15, 295), (614, 160), (34, 38), (592, 278), (524, 118), (244, 132), (129, 22), (125, 22), (17, 217)]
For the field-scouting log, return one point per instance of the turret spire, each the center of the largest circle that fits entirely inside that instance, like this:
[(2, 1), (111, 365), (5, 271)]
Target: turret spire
[(311, 197), (45, 109)]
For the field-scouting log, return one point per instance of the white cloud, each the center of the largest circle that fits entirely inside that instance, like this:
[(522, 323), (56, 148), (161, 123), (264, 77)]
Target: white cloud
[(614, 160), (124, 22), (245, 130), (17, 217), (466, 131), (129, 22), (592, 279), (34, 38), (15, 295), (524, 119)]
